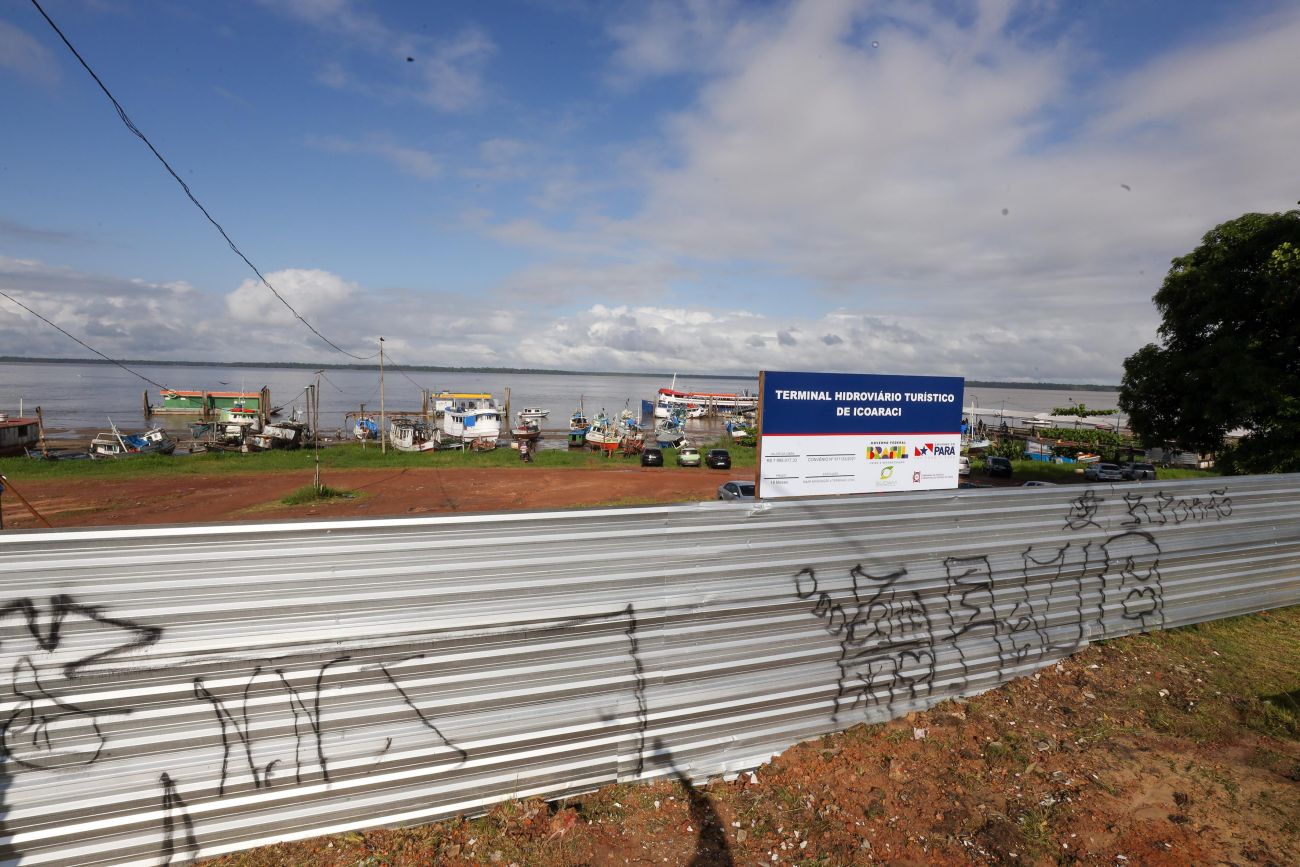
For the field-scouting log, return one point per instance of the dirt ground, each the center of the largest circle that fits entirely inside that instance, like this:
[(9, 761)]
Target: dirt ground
[(229, 497)]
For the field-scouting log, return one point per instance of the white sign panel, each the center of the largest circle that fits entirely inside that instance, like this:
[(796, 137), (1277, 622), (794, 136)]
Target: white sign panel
[(836, 433)]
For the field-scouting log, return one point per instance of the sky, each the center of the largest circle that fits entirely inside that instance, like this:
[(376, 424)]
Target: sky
[(984, 189)]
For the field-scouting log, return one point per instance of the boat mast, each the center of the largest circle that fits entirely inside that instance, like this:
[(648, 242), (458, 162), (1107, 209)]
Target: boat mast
[(118, 435)]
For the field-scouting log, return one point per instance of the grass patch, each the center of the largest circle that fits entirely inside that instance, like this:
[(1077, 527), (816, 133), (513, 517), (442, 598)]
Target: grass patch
[(310, 494)]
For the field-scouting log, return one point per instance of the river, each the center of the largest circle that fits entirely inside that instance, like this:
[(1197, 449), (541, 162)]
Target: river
[(78, 399)]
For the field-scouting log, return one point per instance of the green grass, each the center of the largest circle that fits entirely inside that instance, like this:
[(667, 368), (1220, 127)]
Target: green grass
[(1252, 666), (309, 494), (340, 457)]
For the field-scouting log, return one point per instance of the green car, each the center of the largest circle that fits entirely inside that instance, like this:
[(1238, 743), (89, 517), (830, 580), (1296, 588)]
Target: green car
[(688, 457)]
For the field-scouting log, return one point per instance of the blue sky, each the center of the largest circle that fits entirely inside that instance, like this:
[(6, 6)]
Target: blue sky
[(675, 185)]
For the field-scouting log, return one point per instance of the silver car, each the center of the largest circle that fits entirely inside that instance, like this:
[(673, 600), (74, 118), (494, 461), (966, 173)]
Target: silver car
[(1103, 473), (739, 489)]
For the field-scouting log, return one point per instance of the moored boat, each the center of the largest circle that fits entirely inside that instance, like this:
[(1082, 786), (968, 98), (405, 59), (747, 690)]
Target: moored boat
[(278, 435), (115, 444), (578, 427), (533, 413), (526, 429), (473, 419), (413, 435), (603, 433), (18, 434), (695, 404)]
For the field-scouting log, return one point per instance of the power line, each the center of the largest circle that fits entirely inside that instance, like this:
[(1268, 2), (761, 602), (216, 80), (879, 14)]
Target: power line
[(83, 343), (398, 368), (121, 113)]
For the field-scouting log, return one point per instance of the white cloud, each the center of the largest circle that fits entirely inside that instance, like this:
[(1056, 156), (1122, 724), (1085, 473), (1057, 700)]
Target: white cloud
[(453, 70), (121, 317), (408, 160), (955, 177), (310, 291), (20, 52)]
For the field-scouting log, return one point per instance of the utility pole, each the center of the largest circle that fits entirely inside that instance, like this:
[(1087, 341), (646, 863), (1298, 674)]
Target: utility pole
[(383, 424), (315, 425)]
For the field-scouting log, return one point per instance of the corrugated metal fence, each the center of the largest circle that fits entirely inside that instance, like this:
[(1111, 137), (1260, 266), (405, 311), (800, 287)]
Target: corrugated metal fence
[(186, 691)]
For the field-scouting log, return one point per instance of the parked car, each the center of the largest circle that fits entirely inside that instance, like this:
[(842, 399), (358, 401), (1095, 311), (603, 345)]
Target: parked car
[(1137, 471), (1035, 483), (965, 485), (996, 466), (688, 457), (963, 466), (1103, 473), (718, 459), (652, 458), (739, 489)]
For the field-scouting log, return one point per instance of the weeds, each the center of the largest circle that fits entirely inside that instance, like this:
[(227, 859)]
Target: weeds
[(311, 494)]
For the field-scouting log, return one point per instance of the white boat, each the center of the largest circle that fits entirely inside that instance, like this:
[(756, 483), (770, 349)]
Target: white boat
[(471, 418), (526, 429), (603, 433), (694, 404), (533, 413), (413, 435), (117, 445), (278, 435)]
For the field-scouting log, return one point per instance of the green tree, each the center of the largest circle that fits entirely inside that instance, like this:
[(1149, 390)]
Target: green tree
[(1229, 355)]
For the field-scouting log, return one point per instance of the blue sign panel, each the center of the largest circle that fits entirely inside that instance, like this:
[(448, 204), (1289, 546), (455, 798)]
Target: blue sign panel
[(848, 433), (854, 403)]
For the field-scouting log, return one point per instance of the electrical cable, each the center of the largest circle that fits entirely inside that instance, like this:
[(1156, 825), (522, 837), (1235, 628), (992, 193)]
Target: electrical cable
[(398, 368), (130, 125), (84, 343)]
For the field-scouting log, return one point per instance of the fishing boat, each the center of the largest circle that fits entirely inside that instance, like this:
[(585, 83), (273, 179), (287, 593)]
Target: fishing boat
[(473, 419), (413, 435), (526, 429), (578, 426), (114, 444), (278, 435), (366, 428), (533, 413), (603, 433), (671, 431), (18, 434)]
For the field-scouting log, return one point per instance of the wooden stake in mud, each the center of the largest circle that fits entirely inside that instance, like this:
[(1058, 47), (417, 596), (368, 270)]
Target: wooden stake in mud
[(6, 485)]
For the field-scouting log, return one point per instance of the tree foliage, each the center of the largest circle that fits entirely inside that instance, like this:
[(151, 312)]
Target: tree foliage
[(1229, 355)]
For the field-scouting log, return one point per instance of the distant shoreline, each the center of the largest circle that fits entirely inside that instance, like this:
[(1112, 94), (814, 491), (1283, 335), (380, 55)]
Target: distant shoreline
[(299, 365)]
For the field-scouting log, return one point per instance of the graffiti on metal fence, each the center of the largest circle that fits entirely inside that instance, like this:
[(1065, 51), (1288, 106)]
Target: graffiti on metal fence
[(1005, 612)]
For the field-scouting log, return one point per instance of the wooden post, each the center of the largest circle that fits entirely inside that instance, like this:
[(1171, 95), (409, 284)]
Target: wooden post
[(382, 422), (147, 412), (507, 407), (40, 427), (758, 441)]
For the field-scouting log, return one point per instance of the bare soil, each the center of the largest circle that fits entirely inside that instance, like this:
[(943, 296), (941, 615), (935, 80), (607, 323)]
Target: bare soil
[(227, 497)]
